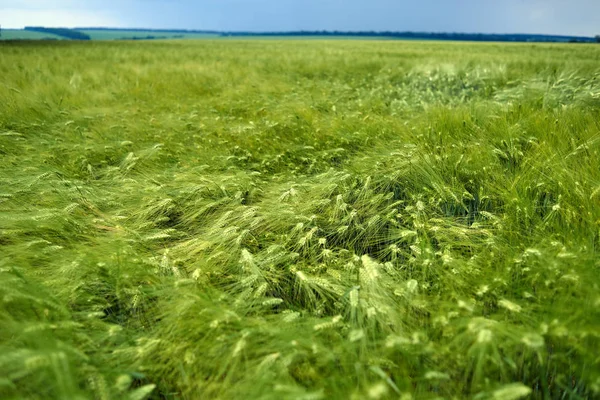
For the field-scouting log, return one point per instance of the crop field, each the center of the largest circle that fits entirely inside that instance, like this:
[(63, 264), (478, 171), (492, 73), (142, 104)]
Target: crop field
[(289, 219)]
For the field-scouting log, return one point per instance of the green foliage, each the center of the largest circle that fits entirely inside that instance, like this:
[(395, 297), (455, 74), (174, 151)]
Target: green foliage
[(299, 219)]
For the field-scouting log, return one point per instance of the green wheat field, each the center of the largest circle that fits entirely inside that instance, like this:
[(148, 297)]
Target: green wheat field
[(299, 219)]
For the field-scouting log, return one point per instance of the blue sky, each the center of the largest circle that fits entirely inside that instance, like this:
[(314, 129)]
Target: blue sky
[(569, 17)]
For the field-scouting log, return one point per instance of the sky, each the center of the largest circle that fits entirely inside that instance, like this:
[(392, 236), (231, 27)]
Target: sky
[(566, 17)]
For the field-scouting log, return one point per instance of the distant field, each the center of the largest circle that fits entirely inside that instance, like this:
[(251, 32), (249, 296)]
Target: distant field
[(304, 38), (124, 34), (21, 34), (117, 34), (299, 219)]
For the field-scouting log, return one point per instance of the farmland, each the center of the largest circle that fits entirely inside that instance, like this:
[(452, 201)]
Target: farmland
[(290, 219)]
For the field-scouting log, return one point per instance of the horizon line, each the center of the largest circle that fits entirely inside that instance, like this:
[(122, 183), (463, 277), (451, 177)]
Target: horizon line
[(311, 31)]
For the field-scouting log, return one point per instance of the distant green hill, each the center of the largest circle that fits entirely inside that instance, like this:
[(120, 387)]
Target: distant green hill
[(91, 33), (66, 33), (21, 34)]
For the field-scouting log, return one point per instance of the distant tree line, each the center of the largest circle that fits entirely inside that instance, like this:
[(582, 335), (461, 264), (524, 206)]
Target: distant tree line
[(76, 34), (63, 32), (482, 37), (148, 37), (478, 37)]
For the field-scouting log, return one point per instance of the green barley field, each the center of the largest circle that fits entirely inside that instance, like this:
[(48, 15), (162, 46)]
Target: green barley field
[(291, 219)]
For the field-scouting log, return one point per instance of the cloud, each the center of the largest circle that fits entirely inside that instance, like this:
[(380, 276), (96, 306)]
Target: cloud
[(54, 5), (18, 18)]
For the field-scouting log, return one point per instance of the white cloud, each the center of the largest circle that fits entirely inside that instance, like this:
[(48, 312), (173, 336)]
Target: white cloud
[(47, 5), (68, 18)]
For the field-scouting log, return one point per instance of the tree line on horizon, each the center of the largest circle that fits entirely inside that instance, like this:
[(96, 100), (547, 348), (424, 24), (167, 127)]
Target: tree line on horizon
[(429, 35), (510, 37), (76, 34)]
